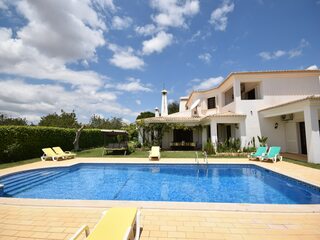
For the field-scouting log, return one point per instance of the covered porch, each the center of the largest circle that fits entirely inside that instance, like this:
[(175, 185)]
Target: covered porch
[(297, 123), (221, 127)]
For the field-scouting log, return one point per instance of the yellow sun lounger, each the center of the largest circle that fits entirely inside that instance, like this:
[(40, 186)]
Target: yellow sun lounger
[(59, 151), (116, 224), (50, 154), (154, 153)]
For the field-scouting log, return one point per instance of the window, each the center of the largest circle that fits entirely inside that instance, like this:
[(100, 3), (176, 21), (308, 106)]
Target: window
[(252, 94), (180, 135), (211, 103), (250, 90)]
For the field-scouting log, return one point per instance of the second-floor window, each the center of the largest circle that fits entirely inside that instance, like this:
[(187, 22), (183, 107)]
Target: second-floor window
[(211, 103), (250, 90)]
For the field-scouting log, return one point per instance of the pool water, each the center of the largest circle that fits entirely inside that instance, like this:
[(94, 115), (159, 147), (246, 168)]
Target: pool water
[(228, 183)]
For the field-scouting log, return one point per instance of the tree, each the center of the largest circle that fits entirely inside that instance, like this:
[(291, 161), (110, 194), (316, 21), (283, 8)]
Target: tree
[(132, 131), (6, 120), (143, 115), (263, 141), (77, 138), (97, 121), (173, 107), (64, 120)]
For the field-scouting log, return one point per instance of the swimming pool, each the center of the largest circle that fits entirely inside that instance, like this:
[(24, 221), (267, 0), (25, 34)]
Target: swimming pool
[(228, 183)]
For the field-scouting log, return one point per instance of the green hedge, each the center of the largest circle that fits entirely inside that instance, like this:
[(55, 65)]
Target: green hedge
[(25, 142)]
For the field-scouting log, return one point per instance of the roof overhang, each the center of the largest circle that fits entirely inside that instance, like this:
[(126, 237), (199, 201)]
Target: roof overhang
[(193, 120), (184, 120), (290, 107), (114, 132), (258, 73)]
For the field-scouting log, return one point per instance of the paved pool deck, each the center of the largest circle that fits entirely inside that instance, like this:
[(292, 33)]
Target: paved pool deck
[(59, 219)]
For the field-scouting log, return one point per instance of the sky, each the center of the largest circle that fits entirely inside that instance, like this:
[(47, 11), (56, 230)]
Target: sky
[(113, 57)]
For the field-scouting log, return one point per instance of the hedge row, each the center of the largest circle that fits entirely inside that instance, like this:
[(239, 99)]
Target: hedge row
[(25, 142)]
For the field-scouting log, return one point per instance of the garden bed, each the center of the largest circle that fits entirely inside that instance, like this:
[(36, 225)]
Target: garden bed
[(232, 154)]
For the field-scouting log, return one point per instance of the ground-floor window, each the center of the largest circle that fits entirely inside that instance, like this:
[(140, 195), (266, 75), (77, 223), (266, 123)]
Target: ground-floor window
[(182, 135)]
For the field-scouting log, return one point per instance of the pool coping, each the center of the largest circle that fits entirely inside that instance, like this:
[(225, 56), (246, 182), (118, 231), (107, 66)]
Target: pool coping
[(199, 206)]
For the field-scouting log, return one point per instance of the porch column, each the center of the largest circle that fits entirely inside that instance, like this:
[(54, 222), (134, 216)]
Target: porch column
[(243, 135), (312, 133), (204, 136), (214, 133)]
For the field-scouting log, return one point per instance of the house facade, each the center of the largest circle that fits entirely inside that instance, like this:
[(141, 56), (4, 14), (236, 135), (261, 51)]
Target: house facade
[(281, 105)]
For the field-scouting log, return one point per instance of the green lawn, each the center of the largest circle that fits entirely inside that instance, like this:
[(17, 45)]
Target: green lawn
[(97, 152), (306, 164), (13, 164)]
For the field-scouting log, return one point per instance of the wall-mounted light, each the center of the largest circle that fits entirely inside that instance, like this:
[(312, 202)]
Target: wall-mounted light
[(251, 113), (276, 125), (236, 126)]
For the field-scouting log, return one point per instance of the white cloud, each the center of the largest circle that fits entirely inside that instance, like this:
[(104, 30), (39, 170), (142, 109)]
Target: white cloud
[(157, 43), (105, 4), (121, 23), (138, 101), (132, 85), (295, 52), (172, 13), (125, 58), (312, 67), (272, 55), (36, 100), (219, 17), (19, 59), (205, 84), (56, 33), (194, 37), (67, 30), (146, 30), (3, 5), (205, 57)]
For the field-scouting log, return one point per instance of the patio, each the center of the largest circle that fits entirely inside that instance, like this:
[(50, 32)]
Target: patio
[(57, 219)]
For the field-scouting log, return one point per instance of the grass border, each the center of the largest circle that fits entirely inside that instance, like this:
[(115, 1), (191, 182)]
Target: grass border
[(303, 163)]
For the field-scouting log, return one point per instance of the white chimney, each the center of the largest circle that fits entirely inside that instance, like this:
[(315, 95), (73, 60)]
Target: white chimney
[(156, 112), (164, 103)]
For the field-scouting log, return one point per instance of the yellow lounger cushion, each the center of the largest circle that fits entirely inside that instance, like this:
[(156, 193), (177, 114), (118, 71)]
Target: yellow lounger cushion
[(49, 153), (154, 152), (59, 151), (114, 225)]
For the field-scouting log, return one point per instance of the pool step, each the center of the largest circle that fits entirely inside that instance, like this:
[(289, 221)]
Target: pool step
[(13, 189), (8, 179), (23, 180), (27, 177)]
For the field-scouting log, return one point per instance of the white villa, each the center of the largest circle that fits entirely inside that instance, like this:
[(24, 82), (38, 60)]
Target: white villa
[(281, 105)]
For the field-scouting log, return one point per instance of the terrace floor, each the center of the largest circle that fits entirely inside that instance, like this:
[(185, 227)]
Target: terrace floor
[(59, 219)]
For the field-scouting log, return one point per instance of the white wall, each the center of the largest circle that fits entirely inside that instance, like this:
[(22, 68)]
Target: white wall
[(274, 91), (277, 89), (182, 105), (292, 137), (276, 136)]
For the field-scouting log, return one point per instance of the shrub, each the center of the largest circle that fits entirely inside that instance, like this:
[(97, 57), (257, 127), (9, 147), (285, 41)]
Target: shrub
[(262, 141), (24, 142), (208, 147), (229, 145)]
